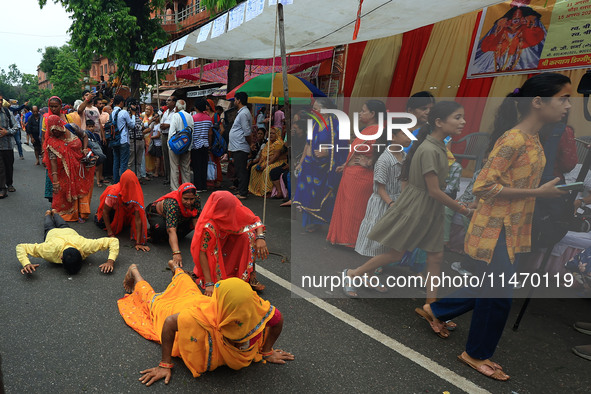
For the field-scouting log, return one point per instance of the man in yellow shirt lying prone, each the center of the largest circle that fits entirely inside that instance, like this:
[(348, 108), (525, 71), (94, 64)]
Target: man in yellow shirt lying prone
[(65, 246)]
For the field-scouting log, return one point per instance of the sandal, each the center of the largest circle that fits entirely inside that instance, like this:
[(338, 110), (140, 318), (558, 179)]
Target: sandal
[(488, 368), (255, 284), (442, 332), (450, 325), (349, 290)]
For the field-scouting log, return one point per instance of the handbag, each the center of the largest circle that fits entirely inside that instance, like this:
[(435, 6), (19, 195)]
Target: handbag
[(96, 148), (212, 170)]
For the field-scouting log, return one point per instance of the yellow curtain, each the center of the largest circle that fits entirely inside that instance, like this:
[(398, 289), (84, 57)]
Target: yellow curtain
[(444, 61), (377, 67), (501, 87)]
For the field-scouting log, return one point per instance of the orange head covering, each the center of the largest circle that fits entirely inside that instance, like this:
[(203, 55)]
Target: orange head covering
[(211, 105), (130, 198)]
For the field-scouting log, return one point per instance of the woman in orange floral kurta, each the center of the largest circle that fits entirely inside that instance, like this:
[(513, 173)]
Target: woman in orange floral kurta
[(501, 226)]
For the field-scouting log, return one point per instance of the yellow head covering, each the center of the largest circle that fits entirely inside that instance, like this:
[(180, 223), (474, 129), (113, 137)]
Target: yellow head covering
[(235, 312)]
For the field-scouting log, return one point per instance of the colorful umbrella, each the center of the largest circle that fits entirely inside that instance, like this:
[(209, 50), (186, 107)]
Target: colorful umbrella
[(259, 90)]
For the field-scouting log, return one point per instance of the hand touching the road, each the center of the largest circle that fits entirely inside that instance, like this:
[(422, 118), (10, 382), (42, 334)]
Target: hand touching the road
[(107, 267), (143, 248), (29, 268), (279, 357), (155, 374)]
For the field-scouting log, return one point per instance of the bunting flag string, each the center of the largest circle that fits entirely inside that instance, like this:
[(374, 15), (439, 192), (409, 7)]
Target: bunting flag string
[(163, 66)]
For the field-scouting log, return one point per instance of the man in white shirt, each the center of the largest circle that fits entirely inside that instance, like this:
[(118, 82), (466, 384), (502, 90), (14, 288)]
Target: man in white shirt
[(164, 126), (239, 144), (184, 160)]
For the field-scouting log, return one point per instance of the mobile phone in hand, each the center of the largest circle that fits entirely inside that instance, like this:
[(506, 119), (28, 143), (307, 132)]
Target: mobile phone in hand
[(576, 186)]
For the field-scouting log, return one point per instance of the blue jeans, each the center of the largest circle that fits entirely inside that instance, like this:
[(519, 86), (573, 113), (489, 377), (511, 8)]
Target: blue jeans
[(17, 138), (490, 305), (120, 159)]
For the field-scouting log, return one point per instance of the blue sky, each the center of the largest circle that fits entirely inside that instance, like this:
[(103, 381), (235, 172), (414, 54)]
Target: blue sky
[(25, 28)]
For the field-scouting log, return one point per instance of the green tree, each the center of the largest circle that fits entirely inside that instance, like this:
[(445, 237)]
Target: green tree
[(66, 76), (121, 30), (48, 59), (235, 67)]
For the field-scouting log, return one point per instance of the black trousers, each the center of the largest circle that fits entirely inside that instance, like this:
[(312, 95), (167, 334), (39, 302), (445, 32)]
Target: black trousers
[(199, 159), (158, 231), (53, 221), (240, 160), (6, 168)]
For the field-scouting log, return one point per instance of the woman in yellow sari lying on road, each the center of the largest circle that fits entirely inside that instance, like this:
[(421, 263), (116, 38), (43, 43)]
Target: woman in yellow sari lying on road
[(233, 327)]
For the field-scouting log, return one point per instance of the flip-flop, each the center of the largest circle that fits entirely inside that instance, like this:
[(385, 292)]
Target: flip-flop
[(349, 290), (490, 371), (441, 332), (450, 325)]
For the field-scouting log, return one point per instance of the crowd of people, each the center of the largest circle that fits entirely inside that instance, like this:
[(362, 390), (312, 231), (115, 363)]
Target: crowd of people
[(388, 205)]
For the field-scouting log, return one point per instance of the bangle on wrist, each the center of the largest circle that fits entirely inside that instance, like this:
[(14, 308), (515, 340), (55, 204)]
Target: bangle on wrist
[(176, 252), (267, 354), (209, 284), (162, 364)]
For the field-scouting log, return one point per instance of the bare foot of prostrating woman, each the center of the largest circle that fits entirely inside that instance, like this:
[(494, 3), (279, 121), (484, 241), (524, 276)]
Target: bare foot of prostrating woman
[(131, 278)]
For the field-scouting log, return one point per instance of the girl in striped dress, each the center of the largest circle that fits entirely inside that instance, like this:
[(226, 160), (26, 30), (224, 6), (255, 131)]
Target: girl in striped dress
[(386, 189)]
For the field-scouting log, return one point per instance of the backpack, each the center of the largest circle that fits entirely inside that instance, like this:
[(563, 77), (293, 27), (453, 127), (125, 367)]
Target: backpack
[(552, 218), (9, 116), (218, 144), (112, 133), (217, 120), (181, 141)]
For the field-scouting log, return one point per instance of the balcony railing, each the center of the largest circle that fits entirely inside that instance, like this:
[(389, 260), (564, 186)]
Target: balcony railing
[(175, 17)]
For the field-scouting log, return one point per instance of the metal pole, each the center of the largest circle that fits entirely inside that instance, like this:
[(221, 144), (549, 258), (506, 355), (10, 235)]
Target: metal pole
[(157, 87), (286, 103)]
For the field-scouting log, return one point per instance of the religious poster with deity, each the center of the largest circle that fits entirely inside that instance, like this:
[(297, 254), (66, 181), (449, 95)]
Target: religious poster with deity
[(524, 36)]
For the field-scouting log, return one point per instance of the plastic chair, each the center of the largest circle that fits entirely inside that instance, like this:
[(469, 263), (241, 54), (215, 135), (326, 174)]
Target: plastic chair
[(476, 144), (581, 150)]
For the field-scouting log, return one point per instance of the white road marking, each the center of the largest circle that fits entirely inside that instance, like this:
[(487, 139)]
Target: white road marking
[(26, 148), (414, 356)]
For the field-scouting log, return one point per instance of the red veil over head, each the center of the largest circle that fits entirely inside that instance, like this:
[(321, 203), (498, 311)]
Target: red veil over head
[(231, 253), (130, 198), (226, 213), (178, 196), (55, 127)]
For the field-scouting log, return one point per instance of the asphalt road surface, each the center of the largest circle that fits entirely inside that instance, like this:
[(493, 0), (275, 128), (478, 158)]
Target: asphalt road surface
[(64, 334)]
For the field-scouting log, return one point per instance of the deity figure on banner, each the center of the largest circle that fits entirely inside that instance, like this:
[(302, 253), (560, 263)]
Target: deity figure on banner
[(515, 41)]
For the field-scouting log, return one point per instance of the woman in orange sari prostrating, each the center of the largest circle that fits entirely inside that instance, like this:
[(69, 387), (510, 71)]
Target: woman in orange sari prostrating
[(228, 237), (122, 204), (233, 327)]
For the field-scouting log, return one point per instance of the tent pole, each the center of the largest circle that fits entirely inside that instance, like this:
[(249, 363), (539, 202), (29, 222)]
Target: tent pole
[(157, 86), (271, 101), (286, 102)]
